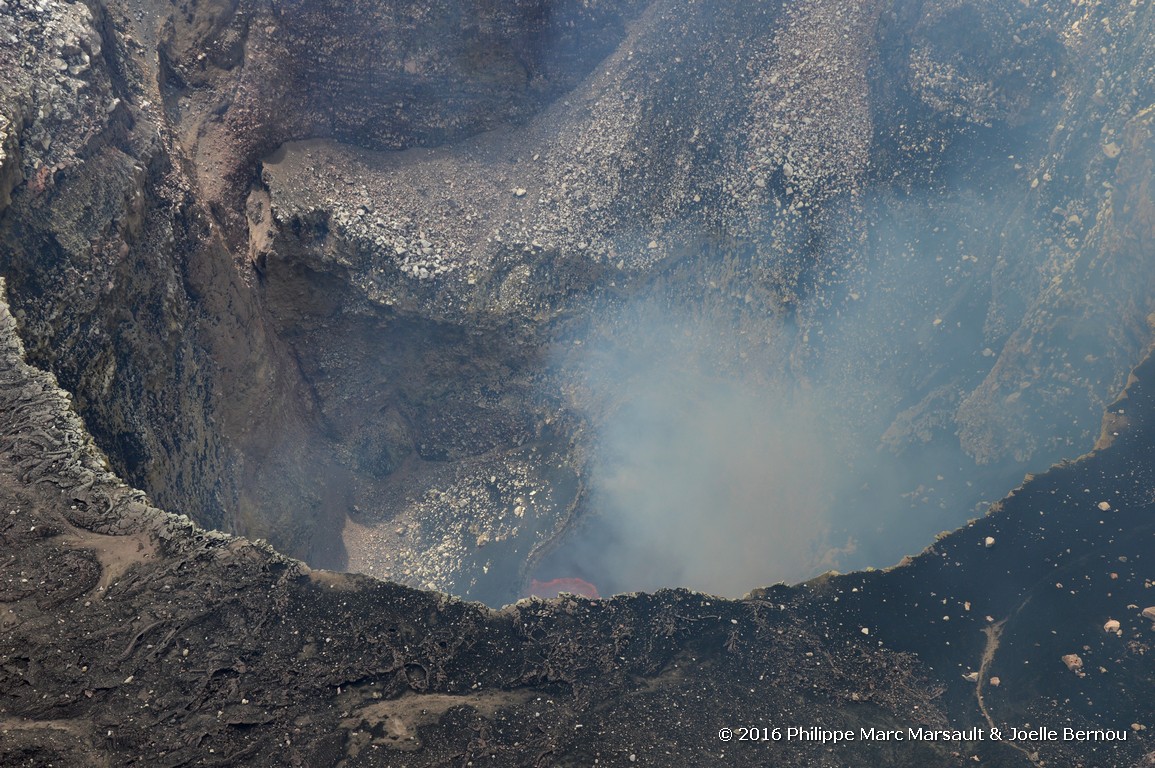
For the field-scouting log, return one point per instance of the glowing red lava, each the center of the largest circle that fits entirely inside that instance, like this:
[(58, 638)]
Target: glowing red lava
[(554, 588)]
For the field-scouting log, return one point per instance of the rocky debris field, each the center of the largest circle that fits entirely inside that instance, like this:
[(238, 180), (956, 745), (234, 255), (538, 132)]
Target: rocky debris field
[(367, 284), (285, 304), (130, 636), (852, 202)]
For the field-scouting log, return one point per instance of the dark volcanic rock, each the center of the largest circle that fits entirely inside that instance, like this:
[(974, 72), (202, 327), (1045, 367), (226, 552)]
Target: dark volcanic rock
[(284, 302), (908, 245), (130, 635), (372, 282)]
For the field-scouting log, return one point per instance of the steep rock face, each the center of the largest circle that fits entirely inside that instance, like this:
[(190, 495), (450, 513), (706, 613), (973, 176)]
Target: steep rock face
[(92, 259), (140, 261), (131, 634), (242, 655), (917, 246), (240, 77), (357, 253), (521, 237), (393, 343), (1071, 298), (123, 286)]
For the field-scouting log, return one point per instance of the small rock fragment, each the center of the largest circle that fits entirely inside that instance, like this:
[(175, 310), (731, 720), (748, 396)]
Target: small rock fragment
[(989, 542), (1111, 626), (1149, 612), (1104, 506), (996, 682), (1074, 663)]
